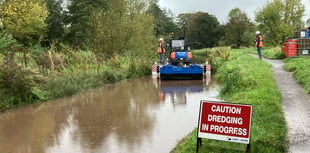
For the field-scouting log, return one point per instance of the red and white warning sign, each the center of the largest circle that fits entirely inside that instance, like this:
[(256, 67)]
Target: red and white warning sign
[(224, 121)]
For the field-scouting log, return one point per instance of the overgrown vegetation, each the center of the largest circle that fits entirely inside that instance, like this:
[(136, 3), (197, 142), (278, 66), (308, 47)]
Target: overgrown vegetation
[(249, 81), (17, 87), (55, 75), (47, 52), (59, 71), (214, 56), (301, 69)]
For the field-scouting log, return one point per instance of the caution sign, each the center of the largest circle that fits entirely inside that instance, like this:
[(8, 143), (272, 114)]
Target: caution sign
[(224, 121)]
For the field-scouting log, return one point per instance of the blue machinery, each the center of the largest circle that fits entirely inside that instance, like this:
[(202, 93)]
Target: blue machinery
[(188, 72), (171, 72), (180, 66)]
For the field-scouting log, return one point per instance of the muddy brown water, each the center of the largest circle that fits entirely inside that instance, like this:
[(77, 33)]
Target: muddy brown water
[(133, 116)]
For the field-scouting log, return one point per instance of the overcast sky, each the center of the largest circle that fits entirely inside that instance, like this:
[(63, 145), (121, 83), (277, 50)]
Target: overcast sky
[(220, 8)]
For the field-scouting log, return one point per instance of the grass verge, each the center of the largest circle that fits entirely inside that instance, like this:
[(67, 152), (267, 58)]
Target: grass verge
[(249, 81), (301, 70), (273, 53), (270, 53)]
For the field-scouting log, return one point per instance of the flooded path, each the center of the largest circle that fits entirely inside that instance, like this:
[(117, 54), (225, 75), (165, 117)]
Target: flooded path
[(141, 115)]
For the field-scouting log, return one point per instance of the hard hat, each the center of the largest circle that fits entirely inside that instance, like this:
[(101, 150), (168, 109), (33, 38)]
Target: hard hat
[(257, 32), (161, 39)]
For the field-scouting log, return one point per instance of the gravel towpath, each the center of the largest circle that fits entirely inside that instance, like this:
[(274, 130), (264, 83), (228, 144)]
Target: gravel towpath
[(296, 107)]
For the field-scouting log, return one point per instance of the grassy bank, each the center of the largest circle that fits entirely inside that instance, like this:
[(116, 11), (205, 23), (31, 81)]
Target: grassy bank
[(78, 71), (301, 69), (249, 81), (120, 68), (270, 53)]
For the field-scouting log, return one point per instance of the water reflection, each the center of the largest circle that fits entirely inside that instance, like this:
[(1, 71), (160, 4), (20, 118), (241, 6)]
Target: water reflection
[(141, 115), (178, 90)]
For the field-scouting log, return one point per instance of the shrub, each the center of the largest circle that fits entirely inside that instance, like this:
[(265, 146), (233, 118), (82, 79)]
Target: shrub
[(14, 81), (17, 87), (6, 42), (223, 53)]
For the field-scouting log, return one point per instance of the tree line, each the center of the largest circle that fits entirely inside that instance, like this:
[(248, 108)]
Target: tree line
[(111, 27), (276, 20)]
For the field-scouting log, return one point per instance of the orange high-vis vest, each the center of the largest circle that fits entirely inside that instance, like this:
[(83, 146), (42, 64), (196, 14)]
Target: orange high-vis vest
[(160, 48), (172, 55), (260, 41)]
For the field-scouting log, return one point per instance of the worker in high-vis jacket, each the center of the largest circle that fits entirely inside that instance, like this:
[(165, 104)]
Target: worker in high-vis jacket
[(161, 50), (259, 44)]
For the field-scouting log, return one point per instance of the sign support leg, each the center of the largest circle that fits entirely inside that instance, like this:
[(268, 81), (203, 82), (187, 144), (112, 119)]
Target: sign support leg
[(248, 148), (198, 144)]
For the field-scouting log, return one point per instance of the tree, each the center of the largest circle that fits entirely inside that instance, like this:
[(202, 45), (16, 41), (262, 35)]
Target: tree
[(124, 28), (139, 37), (163, 20), (204, 30), (80, 21), (109, 28), (236, 28), (55, 19), (278, 19), (183, 21), (25, 19), (248, 36), (293, 12)]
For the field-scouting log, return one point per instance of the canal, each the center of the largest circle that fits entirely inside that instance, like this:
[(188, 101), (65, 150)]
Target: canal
[(133, 116)]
